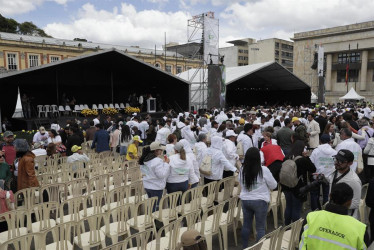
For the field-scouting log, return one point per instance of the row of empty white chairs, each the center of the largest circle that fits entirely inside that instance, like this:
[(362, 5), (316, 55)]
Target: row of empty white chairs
[(45, 110)]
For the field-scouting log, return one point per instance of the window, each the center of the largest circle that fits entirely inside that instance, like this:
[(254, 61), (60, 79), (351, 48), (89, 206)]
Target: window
[(54, 59), (33, 60), (352, 75), (12, 61), (157, 65), (353, 57), (276, 45), (189, 67), (179, 69), (168, 68)]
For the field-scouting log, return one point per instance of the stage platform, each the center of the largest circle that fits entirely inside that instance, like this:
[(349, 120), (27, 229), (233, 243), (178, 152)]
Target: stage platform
[(36, 122)]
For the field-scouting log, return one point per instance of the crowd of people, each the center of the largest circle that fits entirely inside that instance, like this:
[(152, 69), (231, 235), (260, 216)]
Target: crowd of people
[(299, 150)]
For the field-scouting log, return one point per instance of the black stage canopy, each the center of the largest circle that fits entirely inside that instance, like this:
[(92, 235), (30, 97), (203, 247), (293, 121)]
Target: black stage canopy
[(108, 76), (266, 82)]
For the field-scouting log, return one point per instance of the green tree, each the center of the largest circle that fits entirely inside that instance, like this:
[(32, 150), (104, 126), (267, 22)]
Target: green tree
[(8, 25)]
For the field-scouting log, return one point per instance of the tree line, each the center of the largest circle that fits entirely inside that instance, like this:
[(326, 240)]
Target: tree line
[(10, 25)]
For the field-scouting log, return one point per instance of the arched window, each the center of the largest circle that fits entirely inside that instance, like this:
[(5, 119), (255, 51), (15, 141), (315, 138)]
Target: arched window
[(157, 65)]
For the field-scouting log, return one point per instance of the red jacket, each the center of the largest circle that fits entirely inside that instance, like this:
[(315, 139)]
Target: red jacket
[(272, 153)]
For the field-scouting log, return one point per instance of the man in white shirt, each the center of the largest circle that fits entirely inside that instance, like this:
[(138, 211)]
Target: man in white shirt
[(349, 144), (41, 136), (247, 139), (367, 112), (343, 160), (96, 120), (322, 158), (162, 133), (143, 127), (229, 150), (77, 156)]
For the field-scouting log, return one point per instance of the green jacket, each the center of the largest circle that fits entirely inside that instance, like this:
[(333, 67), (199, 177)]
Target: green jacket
[(327, 230), (5, 173)]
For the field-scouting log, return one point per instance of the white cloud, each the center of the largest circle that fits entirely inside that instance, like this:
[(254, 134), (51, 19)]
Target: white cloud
[(124, 26), (158, 1), (287, 16), (14, 7)]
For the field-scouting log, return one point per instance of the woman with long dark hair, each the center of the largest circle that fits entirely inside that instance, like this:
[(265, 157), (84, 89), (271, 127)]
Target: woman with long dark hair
[(255, 181), (125, 139), (295, 199)]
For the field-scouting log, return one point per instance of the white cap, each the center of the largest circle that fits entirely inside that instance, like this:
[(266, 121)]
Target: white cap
[(230, 133)]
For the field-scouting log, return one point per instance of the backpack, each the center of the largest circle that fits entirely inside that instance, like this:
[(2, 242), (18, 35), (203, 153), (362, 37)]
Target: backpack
[(288, 173), (206, 165), (178, 133), (240, 149)]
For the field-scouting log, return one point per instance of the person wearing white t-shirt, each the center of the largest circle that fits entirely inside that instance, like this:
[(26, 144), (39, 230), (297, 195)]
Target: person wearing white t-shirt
[(349, 144), (96, 120), (162, 134), (256, 182)]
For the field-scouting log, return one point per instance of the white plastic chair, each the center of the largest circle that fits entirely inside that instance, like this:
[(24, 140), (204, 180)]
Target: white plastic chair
[(118, 226), (362, 207), (54, 109), (85, 106), (16, 223), (167, 208), (111, 105), (121, 105), (116, 106), (60, 237), (257, 246), (47, 110), (106, 106), (100, 107), (289, 235), (61, 109), (94, 106), (68, 109), (90, 236), (40, 110), (270, 240)]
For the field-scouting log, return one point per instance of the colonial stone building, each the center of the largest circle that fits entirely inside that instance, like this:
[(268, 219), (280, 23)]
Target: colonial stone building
[(19, 52), (353, 43)]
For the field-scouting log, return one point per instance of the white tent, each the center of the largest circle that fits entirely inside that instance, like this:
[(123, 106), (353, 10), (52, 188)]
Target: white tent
[(351, 95), (18, 113), (313, 98)]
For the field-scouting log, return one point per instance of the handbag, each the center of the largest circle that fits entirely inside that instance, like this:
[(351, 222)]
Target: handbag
[(206, 165)]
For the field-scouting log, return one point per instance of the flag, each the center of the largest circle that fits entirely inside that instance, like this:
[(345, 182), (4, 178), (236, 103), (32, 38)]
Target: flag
[(347, 72)]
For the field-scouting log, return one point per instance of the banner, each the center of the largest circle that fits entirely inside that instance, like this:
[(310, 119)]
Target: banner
[(320, 60), (211, 38)]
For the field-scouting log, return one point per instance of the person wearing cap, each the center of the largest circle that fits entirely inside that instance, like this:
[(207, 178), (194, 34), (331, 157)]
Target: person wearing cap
[(8, 147), (219, 161), (349, 144), (132, 150), (313, 131), (181, 170), (41, 136), (38, 149), (240, 128), (77, 156), (24, 165), (322, 158), (300, 130), (333, 228), (192, 240), (100, 141), (155, 170), (229, 151), (344, 174)]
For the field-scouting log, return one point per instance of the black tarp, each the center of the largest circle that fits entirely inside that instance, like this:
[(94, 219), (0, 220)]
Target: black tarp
[(93, 79), (271, 84)]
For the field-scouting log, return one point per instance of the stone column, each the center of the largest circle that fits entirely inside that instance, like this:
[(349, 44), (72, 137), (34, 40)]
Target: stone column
[(364, 69), (328, 71)]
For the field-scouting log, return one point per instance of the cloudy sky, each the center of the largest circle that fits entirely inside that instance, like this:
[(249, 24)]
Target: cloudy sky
[(144, 22)]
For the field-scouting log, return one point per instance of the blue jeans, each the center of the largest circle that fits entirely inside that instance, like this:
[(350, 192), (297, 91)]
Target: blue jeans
[(314, 196), (293, 207), (154, 193), (175, 187), (123, 150), (259, 209)]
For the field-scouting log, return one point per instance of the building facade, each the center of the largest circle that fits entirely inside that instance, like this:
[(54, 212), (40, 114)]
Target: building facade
[(249, 51), (19, 52), (353, 43)]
